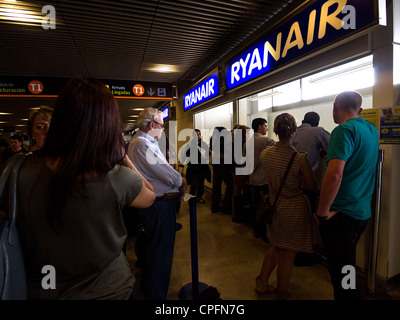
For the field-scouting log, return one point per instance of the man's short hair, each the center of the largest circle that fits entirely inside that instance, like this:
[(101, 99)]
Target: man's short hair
[(349, 101), (17, 137), (312, 118), (257, 122)]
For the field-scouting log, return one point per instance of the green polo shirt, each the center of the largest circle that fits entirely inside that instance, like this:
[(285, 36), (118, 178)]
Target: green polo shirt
[(356, 142)]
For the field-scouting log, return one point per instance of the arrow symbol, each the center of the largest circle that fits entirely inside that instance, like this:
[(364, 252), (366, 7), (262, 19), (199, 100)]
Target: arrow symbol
[(151, 92)]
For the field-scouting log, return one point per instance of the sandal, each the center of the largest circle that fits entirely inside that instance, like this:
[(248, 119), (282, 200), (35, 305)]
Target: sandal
[(262, 286)]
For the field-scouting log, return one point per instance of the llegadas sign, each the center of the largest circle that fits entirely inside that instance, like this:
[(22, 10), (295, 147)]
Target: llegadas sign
[(320, 24), (205, 90)]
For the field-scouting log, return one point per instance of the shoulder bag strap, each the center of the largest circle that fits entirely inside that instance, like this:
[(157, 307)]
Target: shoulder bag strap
[(13, 187), (284, 178), (5, 174)]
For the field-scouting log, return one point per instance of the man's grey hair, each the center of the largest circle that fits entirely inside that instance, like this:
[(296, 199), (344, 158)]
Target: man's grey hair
[(146, 116)]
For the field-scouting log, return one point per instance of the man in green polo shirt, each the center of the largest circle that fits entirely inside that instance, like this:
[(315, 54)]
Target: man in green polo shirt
[(345, 201)]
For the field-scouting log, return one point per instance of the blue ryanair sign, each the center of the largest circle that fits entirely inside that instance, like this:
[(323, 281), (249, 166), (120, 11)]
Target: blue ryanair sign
[(318, 25), (165, 113), (205, 90)]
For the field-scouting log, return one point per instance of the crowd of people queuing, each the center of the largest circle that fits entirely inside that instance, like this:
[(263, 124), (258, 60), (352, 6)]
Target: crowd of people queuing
[(80, 176)]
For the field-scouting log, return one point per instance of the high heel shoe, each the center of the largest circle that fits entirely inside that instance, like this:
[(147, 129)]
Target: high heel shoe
[(262, 286)]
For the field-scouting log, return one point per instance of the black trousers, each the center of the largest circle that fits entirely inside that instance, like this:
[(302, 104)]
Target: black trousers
[(159, 222), (222, 173), (340, 236), (197, 184)]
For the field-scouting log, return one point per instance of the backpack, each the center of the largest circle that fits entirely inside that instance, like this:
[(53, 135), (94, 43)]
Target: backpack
[(13, 284)]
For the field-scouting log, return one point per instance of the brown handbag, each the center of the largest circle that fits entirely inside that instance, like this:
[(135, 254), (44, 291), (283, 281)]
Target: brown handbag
[(268, 213)]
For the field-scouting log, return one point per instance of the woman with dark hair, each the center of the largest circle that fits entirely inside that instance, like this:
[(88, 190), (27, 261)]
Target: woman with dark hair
[(291, 228), (71, 195)]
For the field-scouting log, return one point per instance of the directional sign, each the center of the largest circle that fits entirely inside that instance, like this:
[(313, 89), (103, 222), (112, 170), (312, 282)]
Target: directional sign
[(30, 86), (127, 89), (13, 87)]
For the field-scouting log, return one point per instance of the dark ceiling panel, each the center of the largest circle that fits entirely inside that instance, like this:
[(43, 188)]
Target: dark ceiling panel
[(124, 39)]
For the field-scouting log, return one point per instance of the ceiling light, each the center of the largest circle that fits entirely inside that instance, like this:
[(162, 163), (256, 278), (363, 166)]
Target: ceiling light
[(6, 114), (20, 13), (164, 68), (137, 109), (134, 116)]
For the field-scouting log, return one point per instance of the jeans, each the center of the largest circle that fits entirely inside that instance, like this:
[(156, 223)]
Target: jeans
[(159, 222), (340, 236)]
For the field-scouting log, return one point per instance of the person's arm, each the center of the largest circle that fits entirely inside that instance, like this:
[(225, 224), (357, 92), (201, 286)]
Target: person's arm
[(325, 136), (144, 199), (128, 163), (308, 179), (330, 186)]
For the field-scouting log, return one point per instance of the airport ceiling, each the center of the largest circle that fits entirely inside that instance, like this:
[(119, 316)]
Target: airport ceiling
[(124, 40)]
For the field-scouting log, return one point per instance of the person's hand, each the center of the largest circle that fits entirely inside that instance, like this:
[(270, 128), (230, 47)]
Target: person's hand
[(318, 216)]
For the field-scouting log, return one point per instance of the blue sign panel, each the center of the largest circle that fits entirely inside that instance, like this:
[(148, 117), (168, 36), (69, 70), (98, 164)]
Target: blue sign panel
[(320, 24), (165, 113), (202, 92)]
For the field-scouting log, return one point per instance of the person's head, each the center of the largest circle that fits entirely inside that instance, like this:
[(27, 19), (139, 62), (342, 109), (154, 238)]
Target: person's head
[(197, 134), (259, 125), (220, 131), (219, 135), (38, 125), (346, 105), (243, 131), (285, 126), (85, 132), (312, 118), (16, 143), (150, 121)]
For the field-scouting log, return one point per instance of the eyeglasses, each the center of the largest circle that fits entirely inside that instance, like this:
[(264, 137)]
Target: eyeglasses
[(160, 124)]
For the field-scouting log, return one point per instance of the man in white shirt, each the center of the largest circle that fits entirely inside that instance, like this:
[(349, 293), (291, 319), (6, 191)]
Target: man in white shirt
[(257, 177), (159, 220)]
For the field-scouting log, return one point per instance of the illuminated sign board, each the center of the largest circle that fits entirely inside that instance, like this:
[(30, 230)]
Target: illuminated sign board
[(205, 90), (128, 89), (322, 23), (165, 113), (50, 87)]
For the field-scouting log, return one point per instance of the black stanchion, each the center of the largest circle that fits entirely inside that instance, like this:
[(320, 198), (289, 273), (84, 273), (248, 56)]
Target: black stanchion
[(192, 290)]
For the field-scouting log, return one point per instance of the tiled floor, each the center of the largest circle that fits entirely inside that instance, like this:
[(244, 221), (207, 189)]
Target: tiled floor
[(230, 257)]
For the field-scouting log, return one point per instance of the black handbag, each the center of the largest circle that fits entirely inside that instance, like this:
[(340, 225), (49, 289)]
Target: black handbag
[(13, 284), (268, 213)]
